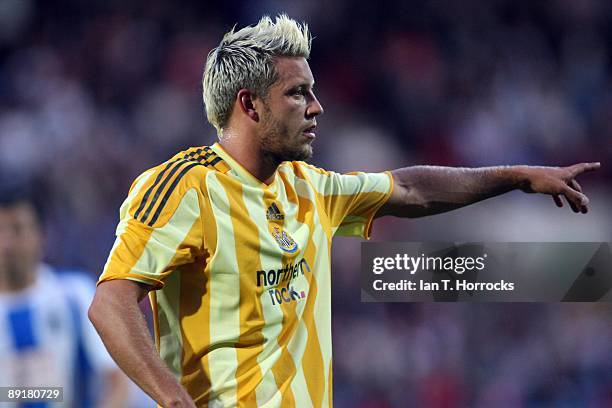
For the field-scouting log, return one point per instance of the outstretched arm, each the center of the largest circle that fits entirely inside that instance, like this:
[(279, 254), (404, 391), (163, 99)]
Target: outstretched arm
[(427, 190)]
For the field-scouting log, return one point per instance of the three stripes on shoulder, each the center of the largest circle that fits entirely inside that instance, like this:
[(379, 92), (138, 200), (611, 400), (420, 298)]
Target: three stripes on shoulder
[(203, 156)]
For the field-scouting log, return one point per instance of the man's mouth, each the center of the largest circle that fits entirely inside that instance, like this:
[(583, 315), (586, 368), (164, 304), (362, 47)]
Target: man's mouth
[(309, 132)]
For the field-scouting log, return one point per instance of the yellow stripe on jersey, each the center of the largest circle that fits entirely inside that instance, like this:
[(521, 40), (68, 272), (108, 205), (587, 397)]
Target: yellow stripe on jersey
[(196, 317), (195, 330), (317, 316), (250, 341), (242, 316), (284, 368), (297, 346), (357, 195), (224, 323), (168, 324), (267, 392), (313, 370)]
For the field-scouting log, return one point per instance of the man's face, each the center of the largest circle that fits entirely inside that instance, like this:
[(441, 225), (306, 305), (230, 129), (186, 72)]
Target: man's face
[(20, 243), (289, 111)]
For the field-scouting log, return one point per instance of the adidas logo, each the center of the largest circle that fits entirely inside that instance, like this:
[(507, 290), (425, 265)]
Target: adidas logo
[(274, 213)]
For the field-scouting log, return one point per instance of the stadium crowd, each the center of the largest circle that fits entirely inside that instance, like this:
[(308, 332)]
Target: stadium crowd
[(92, 93)]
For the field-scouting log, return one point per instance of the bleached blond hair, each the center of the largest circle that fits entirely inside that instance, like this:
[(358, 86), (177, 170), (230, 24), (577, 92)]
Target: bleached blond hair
[(245, 59)]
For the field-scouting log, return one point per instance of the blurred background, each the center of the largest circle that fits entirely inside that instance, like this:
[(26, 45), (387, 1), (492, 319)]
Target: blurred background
[(94, 92)]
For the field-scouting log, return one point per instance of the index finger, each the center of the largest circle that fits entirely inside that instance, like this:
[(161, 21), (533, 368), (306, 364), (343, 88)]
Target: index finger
[(584, 167)]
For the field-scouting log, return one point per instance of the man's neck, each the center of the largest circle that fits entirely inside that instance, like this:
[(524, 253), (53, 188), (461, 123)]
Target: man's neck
[(15, 282), (250, 156)]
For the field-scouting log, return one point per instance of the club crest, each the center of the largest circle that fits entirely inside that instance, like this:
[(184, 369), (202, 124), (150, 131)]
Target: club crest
[(284, 240)]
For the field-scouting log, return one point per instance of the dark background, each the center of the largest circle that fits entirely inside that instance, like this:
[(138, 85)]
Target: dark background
[(94, 92)]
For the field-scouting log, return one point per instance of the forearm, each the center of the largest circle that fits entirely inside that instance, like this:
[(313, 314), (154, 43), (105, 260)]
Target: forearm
[(126, 336), (428, 190)]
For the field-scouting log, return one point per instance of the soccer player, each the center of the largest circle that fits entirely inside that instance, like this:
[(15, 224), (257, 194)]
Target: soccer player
[(232, 241), (45, 337)]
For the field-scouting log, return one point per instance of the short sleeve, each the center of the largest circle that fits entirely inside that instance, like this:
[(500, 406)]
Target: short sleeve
[(160, 226), (351, 200)]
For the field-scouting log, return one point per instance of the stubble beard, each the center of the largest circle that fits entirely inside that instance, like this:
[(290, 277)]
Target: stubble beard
[(278, 145)]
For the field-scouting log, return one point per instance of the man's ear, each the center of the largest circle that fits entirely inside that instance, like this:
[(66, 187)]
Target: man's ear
[(245, 100)]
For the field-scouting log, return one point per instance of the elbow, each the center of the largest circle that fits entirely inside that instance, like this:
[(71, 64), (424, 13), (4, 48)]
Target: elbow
[(93, 313)]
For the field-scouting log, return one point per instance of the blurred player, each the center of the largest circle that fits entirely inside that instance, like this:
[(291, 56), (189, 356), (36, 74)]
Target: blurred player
[(45, 336), (233, 241)]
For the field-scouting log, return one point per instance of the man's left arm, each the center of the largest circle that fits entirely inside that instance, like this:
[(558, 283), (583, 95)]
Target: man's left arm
[(426, 190)]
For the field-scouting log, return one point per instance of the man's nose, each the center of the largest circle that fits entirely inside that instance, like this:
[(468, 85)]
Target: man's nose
[(314, 107)]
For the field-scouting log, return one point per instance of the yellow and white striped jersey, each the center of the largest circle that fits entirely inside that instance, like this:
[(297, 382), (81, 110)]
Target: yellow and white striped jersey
[(243, 311)]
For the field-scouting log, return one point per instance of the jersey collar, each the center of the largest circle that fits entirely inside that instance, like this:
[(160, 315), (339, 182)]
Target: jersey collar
[(243, 174)]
